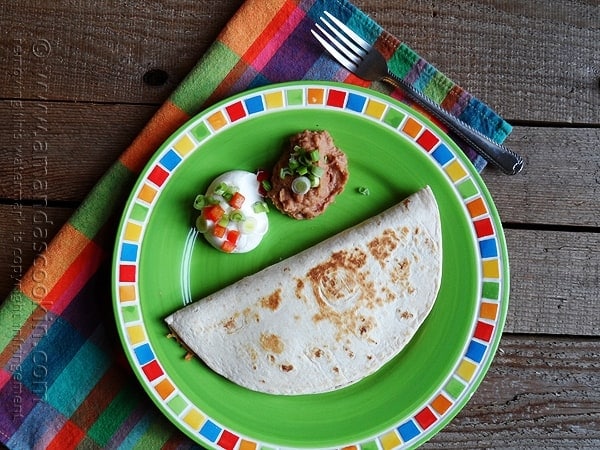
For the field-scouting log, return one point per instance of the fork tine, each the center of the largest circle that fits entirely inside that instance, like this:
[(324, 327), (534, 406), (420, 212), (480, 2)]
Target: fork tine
[(351, 34), (342, 40), (342, 59), (344, 50)]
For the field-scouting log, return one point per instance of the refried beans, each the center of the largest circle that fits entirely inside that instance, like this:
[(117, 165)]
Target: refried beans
[(334, 165)]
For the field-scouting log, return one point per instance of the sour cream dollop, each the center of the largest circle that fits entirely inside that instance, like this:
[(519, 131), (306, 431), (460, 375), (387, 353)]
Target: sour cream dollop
[(233, 215)]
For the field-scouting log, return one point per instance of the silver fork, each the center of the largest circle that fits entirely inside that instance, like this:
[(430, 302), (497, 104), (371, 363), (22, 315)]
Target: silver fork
[(361, 58)]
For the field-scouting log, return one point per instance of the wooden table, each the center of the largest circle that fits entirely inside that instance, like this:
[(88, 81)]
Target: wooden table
[(80, 79)]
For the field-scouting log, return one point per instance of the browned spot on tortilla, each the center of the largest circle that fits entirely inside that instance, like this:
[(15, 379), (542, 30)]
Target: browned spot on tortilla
[(400, 274), (250, 314), (229, 324), (349, 352), (287, 367), (383, 245), (271, 301), (406, 315), (253, 355), (389, 294), (336, 369), (401, 271), (234, 323), (299, 289), (341, 286), (317, 352), (271, 343)]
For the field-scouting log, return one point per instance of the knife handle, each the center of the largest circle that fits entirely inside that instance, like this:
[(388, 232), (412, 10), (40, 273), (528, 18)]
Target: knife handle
[(500, 156)]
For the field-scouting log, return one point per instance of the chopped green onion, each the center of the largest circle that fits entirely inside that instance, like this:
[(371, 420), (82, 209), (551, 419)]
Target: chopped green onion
[(364, 190), (301, 185), (260, 206), (266, 185), (201, 224), (213, 200), (304, 163), (317, 171), (304, 159), (293, 164), (224, 220), (225, 190), (221, 188), (237, 216), (199, 202)]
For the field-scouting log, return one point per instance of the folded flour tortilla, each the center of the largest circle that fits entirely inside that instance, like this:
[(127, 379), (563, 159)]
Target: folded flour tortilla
[(326, 317)]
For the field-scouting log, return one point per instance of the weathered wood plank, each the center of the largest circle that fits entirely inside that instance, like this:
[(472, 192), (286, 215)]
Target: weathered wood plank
[(100, 51), (486, 47), (555, 282), (83, 52), (540, 392), (57, 151), (560, 184)]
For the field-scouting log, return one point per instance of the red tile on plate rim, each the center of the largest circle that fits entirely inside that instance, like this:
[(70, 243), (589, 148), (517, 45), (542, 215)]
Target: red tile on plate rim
[(336, 98)]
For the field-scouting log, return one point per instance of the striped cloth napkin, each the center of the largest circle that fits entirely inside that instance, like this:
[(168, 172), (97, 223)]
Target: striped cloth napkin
[(64, 382)]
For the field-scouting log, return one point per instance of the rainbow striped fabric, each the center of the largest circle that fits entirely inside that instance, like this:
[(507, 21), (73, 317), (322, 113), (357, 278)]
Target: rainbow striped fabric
[(64, 382)]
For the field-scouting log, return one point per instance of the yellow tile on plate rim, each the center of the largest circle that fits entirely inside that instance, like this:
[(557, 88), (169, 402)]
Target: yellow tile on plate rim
[(194, 419), (136, 334), (390, 441), (274, 99)]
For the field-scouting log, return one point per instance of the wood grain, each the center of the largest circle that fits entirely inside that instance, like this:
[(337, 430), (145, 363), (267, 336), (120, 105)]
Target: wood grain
[(100, 51), (58, 151), (540, 392), (560, 183), (552, 79), (555, 282)]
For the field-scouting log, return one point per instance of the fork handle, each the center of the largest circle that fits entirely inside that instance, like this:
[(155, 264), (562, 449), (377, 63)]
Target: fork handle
[(505, 159)]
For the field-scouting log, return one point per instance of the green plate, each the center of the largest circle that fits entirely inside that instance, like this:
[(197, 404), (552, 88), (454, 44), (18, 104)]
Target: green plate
[(160, 264)]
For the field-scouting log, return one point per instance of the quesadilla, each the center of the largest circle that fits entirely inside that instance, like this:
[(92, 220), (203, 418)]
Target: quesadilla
[(328, 316)]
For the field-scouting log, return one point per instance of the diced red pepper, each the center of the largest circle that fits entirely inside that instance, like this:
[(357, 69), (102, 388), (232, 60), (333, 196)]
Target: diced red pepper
[(227, 247), (262, 175), (219, 231), (237, 200), (233, 236), (213, 212)]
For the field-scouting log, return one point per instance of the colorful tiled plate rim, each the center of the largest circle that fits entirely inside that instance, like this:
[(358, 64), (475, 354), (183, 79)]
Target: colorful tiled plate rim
[(488, 240)]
